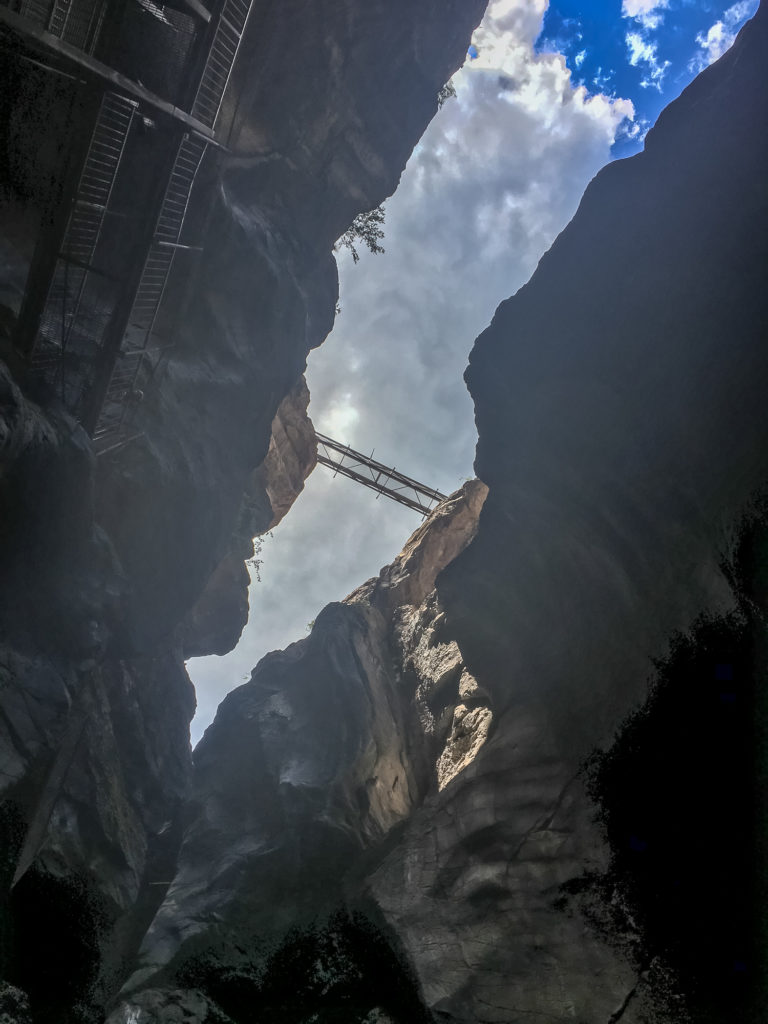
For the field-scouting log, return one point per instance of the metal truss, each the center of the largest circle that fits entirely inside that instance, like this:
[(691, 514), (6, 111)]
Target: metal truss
[(382, 479), (89, 332)]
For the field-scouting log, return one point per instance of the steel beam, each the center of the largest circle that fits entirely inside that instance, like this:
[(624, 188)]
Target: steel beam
[(386, 480)]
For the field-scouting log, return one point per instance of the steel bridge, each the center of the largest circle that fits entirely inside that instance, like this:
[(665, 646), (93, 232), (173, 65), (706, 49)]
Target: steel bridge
[(147, 79), (383, 479)]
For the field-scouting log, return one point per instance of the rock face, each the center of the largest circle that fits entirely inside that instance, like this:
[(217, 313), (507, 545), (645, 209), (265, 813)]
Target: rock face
[(116, 568), (215, 623), (306, 772), (621, 415), (623, 431), (434, 807), (446, 781)]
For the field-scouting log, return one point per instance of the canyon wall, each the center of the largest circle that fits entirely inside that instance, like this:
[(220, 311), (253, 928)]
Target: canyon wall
[(458, 799), (534, 793), (116, 568)]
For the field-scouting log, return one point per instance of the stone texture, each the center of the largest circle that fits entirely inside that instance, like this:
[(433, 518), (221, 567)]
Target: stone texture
[(391, 820), (469, 731), (620, 407), (217, 619), (292, 453), (311, 765), (104, 560), (620, 404)]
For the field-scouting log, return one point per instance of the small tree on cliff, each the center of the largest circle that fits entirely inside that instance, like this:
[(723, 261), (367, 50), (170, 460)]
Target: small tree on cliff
[(446, 92), (365, 228)]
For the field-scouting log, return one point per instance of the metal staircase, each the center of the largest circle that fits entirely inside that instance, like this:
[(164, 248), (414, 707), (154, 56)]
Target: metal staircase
[(80, 298), (94, 294), (135, 363), (221, 57), (77, 22)]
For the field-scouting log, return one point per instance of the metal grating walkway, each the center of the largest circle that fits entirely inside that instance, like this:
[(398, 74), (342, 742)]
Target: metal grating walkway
[(385, 480), (134, 360), (64, 325), (221, 57), (92, 303)]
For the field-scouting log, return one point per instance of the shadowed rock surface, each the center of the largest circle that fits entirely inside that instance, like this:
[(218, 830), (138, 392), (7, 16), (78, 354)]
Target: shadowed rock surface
[(623, 433), (215, 623), (457, 799), (432, 772), (305, 773), (115, 569)]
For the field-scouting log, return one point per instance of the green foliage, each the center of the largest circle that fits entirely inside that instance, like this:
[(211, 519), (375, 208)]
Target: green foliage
[(365, 228), (254, 563), (447, 92)]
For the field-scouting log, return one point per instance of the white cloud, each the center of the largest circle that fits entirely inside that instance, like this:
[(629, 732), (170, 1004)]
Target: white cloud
[(498, 174), (635, 130), (644, 53), (339, 419), (602, 79), (578, 60), (720, 36), (647, 13)]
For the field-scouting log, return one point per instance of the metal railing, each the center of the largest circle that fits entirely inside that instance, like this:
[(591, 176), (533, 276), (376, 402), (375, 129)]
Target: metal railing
[(221, 57), (364, 469), (137, 357), (77, 22), (38, 11), (80, 297)]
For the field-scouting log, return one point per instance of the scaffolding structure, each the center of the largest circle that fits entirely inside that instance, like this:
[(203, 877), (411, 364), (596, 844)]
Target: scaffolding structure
[(154, 74), (386, 480)]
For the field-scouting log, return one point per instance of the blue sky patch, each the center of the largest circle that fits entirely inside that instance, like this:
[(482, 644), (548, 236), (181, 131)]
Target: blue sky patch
[(642, 51)]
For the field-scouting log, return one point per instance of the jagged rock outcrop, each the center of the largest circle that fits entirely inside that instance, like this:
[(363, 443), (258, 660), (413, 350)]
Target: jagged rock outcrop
[(103, 561), (292, 453), (215, 623), (306, 771)]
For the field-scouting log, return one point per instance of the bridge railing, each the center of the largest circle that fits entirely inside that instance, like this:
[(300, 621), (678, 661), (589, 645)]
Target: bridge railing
[(81, 297), (386, 480)]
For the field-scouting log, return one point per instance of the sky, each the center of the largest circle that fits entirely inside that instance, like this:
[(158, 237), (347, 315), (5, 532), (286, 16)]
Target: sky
[(548, 95)]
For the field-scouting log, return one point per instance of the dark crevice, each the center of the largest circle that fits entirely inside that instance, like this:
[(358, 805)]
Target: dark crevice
[(348, 969), (681, 795)]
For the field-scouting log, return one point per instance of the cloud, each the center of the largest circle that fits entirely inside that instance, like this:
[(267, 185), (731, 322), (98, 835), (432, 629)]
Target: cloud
[(601, 80), (647, 13), (635, 130), (719, 37), (642, 50), (497, 175), (579, 58), (644, 53)]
